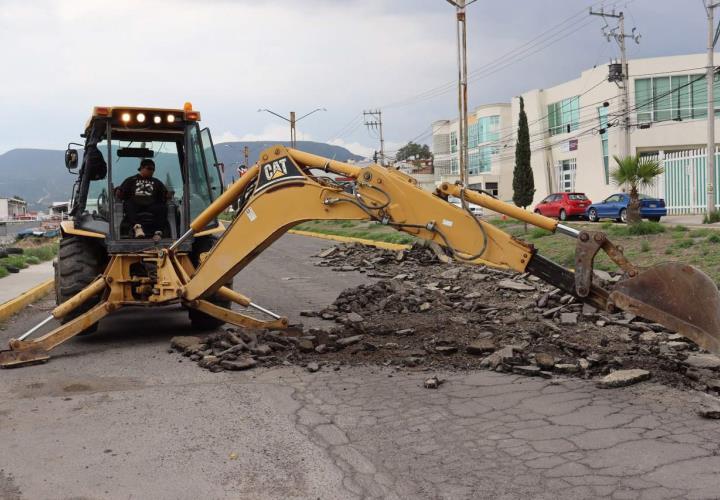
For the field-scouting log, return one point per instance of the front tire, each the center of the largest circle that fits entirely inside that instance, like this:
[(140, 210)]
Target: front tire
[(198, 319), (562, 215), (592, 215), (622, 217), (79, 262)]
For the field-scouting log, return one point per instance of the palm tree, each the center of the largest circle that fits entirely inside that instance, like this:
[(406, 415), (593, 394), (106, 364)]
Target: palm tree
[(634, 172)]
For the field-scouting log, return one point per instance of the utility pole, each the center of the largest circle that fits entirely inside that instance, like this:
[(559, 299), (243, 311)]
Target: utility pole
[(246, 154), (462, 86), (618, 34), (709, 80), (376, 122), (292, 121)]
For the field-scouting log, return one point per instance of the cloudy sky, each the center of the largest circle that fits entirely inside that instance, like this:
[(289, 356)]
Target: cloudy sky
[(232, 57)]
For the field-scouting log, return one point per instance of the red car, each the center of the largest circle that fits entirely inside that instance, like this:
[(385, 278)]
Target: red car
[(563, 205)]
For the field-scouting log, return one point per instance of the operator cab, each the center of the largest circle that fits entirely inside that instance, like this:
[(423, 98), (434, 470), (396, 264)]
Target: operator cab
[(118, 141)]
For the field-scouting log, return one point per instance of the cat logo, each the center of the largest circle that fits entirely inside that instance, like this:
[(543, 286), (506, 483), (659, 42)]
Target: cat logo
[(278, 171), (275, 169)]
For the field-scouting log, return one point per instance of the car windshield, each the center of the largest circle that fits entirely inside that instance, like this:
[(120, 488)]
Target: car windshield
[(577, 196)]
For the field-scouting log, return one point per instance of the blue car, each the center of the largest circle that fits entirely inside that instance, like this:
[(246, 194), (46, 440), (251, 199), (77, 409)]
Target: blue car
[(615, 207)]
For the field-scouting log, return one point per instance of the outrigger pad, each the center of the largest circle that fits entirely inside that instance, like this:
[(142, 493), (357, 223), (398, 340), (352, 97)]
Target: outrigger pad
[(23, 357), (678, 296)]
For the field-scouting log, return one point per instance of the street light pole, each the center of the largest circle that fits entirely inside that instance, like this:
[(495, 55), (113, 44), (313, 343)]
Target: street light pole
[(292, 121)]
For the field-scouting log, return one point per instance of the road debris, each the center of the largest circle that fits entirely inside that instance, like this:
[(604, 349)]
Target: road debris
[(433, 383), (422, 314)]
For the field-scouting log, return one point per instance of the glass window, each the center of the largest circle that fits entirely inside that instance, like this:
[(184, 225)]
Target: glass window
[(216, 182), (577, 196), (453, 142), (698, 96), (603, 119), (564, 116), (680, 97), (662, 99), (199, 187), (643, 98)]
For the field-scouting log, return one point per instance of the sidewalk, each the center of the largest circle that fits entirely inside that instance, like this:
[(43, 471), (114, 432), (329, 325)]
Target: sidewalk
[(16, 284), (688, 220)]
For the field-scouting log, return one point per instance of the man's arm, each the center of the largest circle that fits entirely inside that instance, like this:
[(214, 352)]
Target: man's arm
[(124, 192)]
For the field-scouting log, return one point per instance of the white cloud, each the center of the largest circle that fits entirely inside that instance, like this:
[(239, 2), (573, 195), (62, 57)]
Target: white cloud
[(354, 147)]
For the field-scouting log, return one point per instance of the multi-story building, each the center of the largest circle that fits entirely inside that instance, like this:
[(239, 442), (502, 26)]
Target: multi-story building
[(488, 139), (12, 208), (576, 128)]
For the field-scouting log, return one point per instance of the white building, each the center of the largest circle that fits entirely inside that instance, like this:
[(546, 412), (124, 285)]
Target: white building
[(12, 208), (576, 129), (489, 138)]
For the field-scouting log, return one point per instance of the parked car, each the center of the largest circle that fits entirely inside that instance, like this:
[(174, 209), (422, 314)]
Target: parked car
[(563, 205), (475, 209), (615, 207)]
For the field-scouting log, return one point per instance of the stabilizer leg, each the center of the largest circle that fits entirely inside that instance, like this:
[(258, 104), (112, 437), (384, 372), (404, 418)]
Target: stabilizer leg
[(234, 317), (24, 352)]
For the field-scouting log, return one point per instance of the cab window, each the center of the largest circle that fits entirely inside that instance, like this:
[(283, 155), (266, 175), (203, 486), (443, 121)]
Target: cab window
[(198, 182)]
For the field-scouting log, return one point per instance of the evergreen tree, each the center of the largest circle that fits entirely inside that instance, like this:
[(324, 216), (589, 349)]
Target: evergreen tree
[(523, 182)]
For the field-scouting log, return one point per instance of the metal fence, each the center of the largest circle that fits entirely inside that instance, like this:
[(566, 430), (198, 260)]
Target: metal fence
[(682, 185)]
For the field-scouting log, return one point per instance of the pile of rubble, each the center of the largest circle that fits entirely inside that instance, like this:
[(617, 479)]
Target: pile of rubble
[(426, 312)]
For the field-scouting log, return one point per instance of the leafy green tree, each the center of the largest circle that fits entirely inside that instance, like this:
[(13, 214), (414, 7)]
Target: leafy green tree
[(415, 151), (523, 181), (633, 172)]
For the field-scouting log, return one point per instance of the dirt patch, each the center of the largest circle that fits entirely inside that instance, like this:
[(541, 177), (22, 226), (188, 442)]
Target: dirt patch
[(427, 314)]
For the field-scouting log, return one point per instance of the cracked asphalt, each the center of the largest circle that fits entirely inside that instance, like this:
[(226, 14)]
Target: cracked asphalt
[(114, 415)]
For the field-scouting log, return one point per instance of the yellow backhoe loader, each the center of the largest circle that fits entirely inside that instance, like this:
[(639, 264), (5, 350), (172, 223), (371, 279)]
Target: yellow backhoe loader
[(284, 188)]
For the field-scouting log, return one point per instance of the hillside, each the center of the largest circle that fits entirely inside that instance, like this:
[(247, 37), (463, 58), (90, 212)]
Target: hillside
[(39, 175)]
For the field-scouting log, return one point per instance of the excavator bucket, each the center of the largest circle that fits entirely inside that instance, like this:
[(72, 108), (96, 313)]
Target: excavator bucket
[(678, 296)]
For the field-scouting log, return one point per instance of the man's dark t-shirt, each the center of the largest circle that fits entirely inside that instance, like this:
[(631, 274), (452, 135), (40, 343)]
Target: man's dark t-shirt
[(143, 192)]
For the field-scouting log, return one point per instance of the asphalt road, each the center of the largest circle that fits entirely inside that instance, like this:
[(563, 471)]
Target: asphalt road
[(114, 415)]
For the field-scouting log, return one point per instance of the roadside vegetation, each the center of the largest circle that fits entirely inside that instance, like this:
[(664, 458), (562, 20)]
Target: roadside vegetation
[(35, 251), (644, 243)]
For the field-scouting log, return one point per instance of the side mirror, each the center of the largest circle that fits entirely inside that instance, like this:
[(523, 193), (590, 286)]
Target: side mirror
[(71, 158)]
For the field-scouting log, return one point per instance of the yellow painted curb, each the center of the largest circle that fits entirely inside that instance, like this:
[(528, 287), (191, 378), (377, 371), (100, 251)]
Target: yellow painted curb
[(12, 306), (350, 239)]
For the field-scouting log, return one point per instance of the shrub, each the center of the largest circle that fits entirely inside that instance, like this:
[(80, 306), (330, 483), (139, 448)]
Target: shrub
[(680, 228), (645, 246), (713, 238), (711, 218), (700, 233), (668, 251), (32, 260), (683, 244)]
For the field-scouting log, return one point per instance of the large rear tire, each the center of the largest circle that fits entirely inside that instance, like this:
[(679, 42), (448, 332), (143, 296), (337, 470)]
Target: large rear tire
[(198, 319), (79, 262)]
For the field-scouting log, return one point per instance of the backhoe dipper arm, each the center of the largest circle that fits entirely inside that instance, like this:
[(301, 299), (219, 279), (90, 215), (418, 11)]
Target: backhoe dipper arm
[(286, 192)]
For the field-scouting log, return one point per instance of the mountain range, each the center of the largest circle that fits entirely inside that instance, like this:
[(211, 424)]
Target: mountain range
[(39, 176)]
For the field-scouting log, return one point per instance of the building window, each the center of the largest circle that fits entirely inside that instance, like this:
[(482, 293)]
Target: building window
[(453, 142), (473, 135), (603, 117), (485, 129), (564, 116), (454, 166), (441, 144), (492, 188), (566, 175), (682, 97)]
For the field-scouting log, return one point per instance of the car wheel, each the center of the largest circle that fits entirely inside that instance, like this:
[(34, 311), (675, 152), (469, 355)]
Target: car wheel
[(654, 219), (623, 215), (562, 215), (592, 215), (538, 212)]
